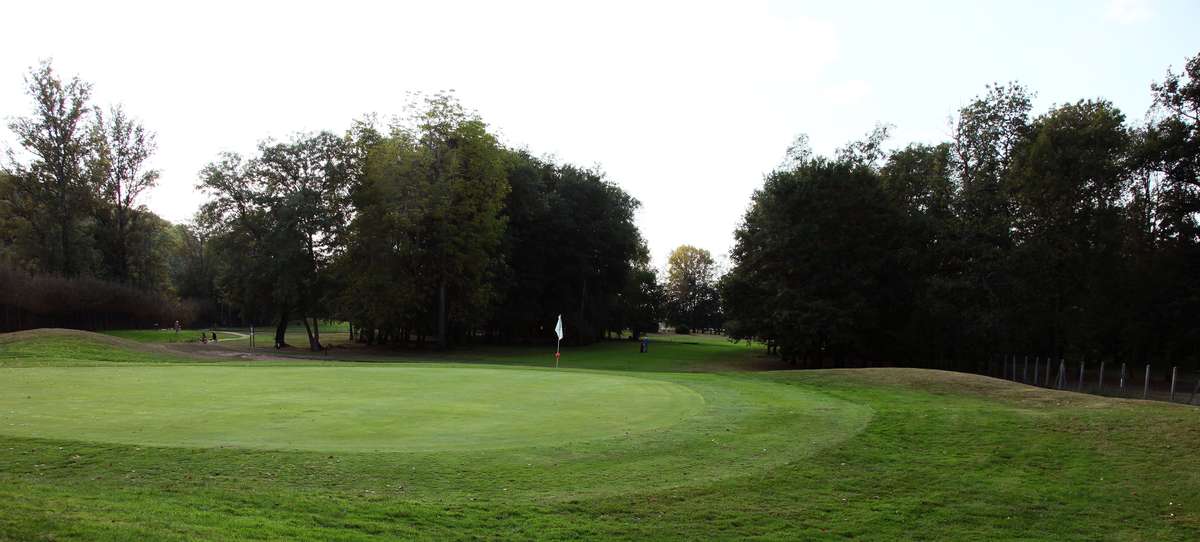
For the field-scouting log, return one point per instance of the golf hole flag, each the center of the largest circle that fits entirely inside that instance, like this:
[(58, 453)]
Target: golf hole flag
[(558, 331)]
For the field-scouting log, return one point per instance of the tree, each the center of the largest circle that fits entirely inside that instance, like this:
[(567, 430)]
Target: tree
[(285, 209), (812, 263), (1068, 179), (429, 206), (122, 147), (570, 247), (642, 302), (985, 135), (691, 288), (1167, 207), (305, 188), (53, 190), (917, 183), (240, 229)]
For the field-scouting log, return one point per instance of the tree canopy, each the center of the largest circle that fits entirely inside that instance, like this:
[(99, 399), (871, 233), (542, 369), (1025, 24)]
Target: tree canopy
[(1069, 233)]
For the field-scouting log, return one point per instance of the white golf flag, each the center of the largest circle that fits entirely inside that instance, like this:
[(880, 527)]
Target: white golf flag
[(558, 328)]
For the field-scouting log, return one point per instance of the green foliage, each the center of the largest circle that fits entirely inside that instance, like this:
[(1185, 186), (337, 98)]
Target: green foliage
[(815, 263), (277, 218), (691, 289), (1069, 180), (52, 193), (424, 243), (570, 248), (72, 209), (1065, 234), (641, 303)]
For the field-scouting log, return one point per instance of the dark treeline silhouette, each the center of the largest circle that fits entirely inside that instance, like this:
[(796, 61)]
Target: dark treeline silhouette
[(1072, 233), (77, 249), (426, 230)]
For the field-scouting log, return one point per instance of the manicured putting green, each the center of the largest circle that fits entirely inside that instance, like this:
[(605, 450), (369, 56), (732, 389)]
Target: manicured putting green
[(352, 408)]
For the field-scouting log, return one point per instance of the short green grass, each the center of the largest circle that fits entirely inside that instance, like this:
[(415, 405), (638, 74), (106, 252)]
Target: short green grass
[(346, 408), (169, 335), (667, 353), (881, 454)]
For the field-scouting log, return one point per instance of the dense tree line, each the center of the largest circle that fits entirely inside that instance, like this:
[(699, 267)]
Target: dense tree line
[(1072, 233), (69, 210), (426, 230)]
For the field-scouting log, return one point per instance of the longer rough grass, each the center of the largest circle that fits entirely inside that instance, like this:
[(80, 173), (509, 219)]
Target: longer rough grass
[(876, 454)]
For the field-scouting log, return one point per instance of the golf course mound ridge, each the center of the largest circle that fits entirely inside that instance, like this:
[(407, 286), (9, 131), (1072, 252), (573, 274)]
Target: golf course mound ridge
[(55, 346)]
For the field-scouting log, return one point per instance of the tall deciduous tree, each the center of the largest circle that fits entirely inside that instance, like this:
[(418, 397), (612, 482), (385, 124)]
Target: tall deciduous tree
[(985, 134), (1068, 180), (691, 288), (53, 189), (428, 211), (570, 247), (122, 148)]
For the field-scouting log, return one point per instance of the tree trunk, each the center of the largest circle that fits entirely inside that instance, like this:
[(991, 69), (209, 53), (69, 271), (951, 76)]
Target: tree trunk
[(314, 340), (66, 241), (442, 316), (281, 330)]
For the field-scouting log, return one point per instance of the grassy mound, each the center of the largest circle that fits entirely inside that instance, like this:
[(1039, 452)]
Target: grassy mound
[(41, 347)]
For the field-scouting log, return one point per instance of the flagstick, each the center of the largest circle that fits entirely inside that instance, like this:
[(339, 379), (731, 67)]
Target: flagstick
[(557, 350)]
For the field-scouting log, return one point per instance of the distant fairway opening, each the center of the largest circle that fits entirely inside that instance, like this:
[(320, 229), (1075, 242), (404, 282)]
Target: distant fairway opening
[(354, 408)]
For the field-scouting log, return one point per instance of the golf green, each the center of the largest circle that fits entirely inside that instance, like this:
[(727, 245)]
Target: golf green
[(352, 408)]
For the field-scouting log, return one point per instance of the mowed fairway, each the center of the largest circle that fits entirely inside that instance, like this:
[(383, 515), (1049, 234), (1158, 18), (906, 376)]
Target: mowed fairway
[(325, 408), (104, 439)]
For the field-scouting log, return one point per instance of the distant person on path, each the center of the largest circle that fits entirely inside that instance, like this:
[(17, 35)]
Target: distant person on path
[(177, 327), (645, 345)]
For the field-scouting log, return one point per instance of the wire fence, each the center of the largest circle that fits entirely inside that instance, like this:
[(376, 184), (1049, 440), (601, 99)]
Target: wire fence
[(1160, 383)]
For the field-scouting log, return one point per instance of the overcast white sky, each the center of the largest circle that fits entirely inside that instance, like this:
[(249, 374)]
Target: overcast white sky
[(684, 104)]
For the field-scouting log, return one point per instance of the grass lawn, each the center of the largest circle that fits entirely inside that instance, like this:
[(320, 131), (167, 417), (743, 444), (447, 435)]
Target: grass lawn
[(618, 445), (169, 335), (667, 353), (348, 408)]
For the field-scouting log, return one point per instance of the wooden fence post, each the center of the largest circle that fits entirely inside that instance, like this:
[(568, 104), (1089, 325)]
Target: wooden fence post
[(1037, 362), (1174, 373), (1061, 383), (1080, 386), (1100, 381), (1122, 378), (1146, 383)]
